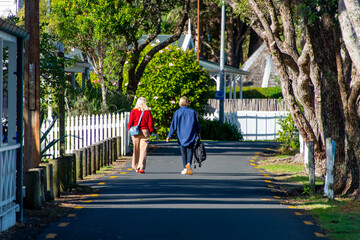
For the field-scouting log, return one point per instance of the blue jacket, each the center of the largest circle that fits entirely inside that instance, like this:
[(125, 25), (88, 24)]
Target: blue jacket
[(186, 124)]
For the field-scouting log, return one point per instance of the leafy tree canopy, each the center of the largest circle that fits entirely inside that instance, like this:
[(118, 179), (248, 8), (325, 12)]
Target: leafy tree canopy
[(108, 33)]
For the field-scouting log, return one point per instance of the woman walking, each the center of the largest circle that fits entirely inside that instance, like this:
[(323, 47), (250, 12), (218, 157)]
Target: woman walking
[(186, 125), (141, 141)]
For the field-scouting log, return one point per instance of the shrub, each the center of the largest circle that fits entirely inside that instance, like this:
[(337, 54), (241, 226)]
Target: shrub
[(288, 134), (214, 130), (171, 74), (258, 92)]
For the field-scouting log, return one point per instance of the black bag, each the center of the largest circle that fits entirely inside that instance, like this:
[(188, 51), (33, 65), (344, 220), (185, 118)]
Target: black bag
[(199, 152)]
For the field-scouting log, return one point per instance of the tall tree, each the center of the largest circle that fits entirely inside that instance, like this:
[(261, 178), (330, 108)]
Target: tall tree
[(237, 32), (108, 33), (313, 75), (349, 12), (151, 17), (89, 26)]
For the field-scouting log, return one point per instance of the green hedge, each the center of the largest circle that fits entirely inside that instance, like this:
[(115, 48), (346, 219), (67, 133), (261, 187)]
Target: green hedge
[(213, 130), (258, 92)]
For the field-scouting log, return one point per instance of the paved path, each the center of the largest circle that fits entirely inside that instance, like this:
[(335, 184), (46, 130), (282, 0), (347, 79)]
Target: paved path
[(227, 198)]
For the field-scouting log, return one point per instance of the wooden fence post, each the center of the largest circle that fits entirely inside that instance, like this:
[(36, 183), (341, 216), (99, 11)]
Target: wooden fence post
[(311, 162), (33, 189), (84, 163), (97, 156), (56, 181), (113, 149), (118, 146), (88, 161), (93, 159), (43, 183), (101, 155), (109, 151), (330, 158), (49, 193), (78, 162), (106, 153)]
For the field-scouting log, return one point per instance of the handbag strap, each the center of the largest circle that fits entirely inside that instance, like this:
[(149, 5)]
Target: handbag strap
[(141, 117)]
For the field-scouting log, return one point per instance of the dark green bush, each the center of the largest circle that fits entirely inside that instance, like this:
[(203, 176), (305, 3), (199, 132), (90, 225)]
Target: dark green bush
[(213, 130)]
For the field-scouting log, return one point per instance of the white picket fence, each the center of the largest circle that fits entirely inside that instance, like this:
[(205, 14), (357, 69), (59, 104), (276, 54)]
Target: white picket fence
[(254, 125), (85, 130)]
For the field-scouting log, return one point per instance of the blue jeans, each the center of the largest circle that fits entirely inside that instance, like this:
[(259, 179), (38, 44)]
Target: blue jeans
[(187, 153)]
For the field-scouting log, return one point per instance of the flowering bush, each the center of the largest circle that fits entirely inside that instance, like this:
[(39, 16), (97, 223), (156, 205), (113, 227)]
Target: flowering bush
[(171, 74)]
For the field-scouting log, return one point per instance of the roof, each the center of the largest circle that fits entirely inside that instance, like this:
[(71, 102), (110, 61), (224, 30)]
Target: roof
[(213, 67), (13, 29), (263, 71), (184, 41)]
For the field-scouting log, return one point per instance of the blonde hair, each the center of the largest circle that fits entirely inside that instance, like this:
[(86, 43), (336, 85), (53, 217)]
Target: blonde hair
[(141, 104), (184, 101)]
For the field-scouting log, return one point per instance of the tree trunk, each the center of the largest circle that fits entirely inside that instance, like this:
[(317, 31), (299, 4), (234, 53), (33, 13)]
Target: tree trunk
[(137, 70), (132, 84), (255, 42), (230, 50), (237, 31), (312, 78)]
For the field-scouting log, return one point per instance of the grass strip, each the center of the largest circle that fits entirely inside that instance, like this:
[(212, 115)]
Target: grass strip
[(340, 218)]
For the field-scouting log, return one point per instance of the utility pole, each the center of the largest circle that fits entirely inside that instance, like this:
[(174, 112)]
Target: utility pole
[(222, 64), (198, 30), (32, 154)]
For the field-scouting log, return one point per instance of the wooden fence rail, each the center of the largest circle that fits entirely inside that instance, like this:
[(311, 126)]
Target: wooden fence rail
[(234, 105)]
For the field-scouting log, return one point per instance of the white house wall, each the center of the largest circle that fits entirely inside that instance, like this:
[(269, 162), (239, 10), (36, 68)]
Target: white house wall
[(7, 7)]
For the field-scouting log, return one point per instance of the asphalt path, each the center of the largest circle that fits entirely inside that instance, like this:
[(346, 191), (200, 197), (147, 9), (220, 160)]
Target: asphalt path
[(229, 197)]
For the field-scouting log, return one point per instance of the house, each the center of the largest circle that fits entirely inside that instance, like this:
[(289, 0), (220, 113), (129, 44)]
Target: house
[(82, 65), (263, 72)]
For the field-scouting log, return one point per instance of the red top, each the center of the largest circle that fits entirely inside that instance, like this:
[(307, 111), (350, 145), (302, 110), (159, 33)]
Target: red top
[(146, 121)]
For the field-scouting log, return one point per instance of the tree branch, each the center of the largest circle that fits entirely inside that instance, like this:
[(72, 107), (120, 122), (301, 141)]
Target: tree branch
[(275, 26), (289, 29), (153, 51), (349, 34), (157, 32)]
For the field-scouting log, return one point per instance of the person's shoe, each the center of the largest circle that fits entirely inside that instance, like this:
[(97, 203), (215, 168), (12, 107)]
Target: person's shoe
[(188, 168), (138, 170), (141, 171), (184, 171)]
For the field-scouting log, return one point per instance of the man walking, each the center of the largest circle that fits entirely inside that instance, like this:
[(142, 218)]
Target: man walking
[(185, 123)]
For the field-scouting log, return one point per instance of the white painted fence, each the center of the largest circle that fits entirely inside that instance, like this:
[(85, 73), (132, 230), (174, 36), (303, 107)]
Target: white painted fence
[(254, 125), (85, 130), (8, 186)]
